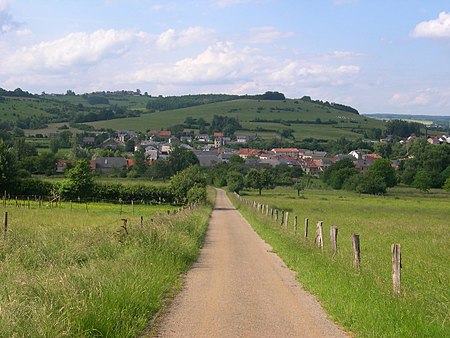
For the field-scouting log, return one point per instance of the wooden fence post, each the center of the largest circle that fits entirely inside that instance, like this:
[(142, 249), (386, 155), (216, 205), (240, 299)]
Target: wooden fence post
[(333, 235), (5, 225), (142, 220), (282, 217), (276, 215), (287, 219), (295, 225), (306, 228), (396, 267), (356, 251), (319, 235)]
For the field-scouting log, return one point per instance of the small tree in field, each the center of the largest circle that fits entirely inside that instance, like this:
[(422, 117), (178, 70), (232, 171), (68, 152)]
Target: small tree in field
[(79, 181), (235, 181), (422, 180)]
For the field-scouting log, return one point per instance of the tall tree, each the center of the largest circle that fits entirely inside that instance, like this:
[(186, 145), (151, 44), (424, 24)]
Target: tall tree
[(181, 158), (7, 167), (383, 169)]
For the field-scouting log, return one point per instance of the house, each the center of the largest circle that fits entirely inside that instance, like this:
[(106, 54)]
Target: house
[(247, 152), (122, 136), (293, 152), (362, 165), (357, 154), (89, 140), (242, 139), (151, 153), (434, 140), (207, 158), (311, 166), (110, 164), (186, 139), (61, 165), (371, 157), (203, 138), (165, 134), (110, 143)]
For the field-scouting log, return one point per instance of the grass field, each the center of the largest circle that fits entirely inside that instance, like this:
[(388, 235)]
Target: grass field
[(73, 271), (247, 110), (363, 302), (12, 108)]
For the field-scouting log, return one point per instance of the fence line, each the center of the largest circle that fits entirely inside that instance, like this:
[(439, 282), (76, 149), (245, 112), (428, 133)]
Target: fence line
[(319, 240)]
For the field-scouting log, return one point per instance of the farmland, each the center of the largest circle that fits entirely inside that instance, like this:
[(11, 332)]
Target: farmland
[(250, 113), (75, 270), (363, 302)]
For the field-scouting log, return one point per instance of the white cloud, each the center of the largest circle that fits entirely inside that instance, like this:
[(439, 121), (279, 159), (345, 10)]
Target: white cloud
[(171, 39), (342, 54), (267, 34), (221, 62), (229, 3), (75, 49), (437, 28), (408, 99)]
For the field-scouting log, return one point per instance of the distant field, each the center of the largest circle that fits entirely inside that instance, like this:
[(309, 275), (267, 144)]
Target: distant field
[(12, 108), (363, 302), (248, 110)]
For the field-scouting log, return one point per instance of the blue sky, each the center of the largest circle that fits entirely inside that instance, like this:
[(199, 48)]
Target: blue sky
[(377, 56)]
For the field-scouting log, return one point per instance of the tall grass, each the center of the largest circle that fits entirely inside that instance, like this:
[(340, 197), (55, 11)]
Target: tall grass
[(362, 302), (72, 272)]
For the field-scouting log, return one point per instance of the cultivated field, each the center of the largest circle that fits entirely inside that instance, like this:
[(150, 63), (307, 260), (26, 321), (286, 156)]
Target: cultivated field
[(246, 111), (363, 302), (75, 270)]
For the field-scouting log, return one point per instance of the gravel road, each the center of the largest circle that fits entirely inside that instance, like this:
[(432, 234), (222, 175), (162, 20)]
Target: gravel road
[(239, 288)]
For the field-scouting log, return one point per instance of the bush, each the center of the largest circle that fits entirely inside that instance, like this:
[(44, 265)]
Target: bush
[(196, 194), (30, 186)]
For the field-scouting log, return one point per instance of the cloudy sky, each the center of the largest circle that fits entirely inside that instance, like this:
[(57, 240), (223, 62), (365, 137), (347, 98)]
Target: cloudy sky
[(378, 56)]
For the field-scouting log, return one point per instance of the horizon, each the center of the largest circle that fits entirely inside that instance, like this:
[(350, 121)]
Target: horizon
[(384, 57)]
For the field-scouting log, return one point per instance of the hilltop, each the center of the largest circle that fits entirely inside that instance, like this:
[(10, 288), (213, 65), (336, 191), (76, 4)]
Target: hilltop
[(268, 115)]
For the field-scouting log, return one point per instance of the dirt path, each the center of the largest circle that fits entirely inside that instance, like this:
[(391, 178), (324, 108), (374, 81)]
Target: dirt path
[(238, 288)]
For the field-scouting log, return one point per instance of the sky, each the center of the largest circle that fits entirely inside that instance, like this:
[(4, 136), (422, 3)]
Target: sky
[(378, 56)]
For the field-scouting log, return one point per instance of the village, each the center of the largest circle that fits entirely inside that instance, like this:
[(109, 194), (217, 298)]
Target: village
[(214, 149)]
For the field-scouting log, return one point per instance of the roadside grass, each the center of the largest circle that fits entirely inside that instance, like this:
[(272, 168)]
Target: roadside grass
[(363, 302), (76, 272)]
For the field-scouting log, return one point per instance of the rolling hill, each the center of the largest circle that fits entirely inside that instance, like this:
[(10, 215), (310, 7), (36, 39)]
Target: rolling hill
[(266, 115)]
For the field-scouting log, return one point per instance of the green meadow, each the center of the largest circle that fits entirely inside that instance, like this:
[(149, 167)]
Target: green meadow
[(363, 302), (247, 111), (74, 270)]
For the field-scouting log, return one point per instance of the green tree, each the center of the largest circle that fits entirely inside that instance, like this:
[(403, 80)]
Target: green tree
[(422, 180), (160, 169), (129, 145), (7, 167), (235, 181), (54, 145), (140, 166), (447, 184), (79, 181), (185, 180), (46, 163), (181, 158), (383, 169), (337, 173), (370, 183), (262, 179)]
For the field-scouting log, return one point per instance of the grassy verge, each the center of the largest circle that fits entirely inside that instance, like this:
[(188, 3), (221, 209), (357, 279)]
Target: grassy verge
[(362, 302), (78, 273)]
